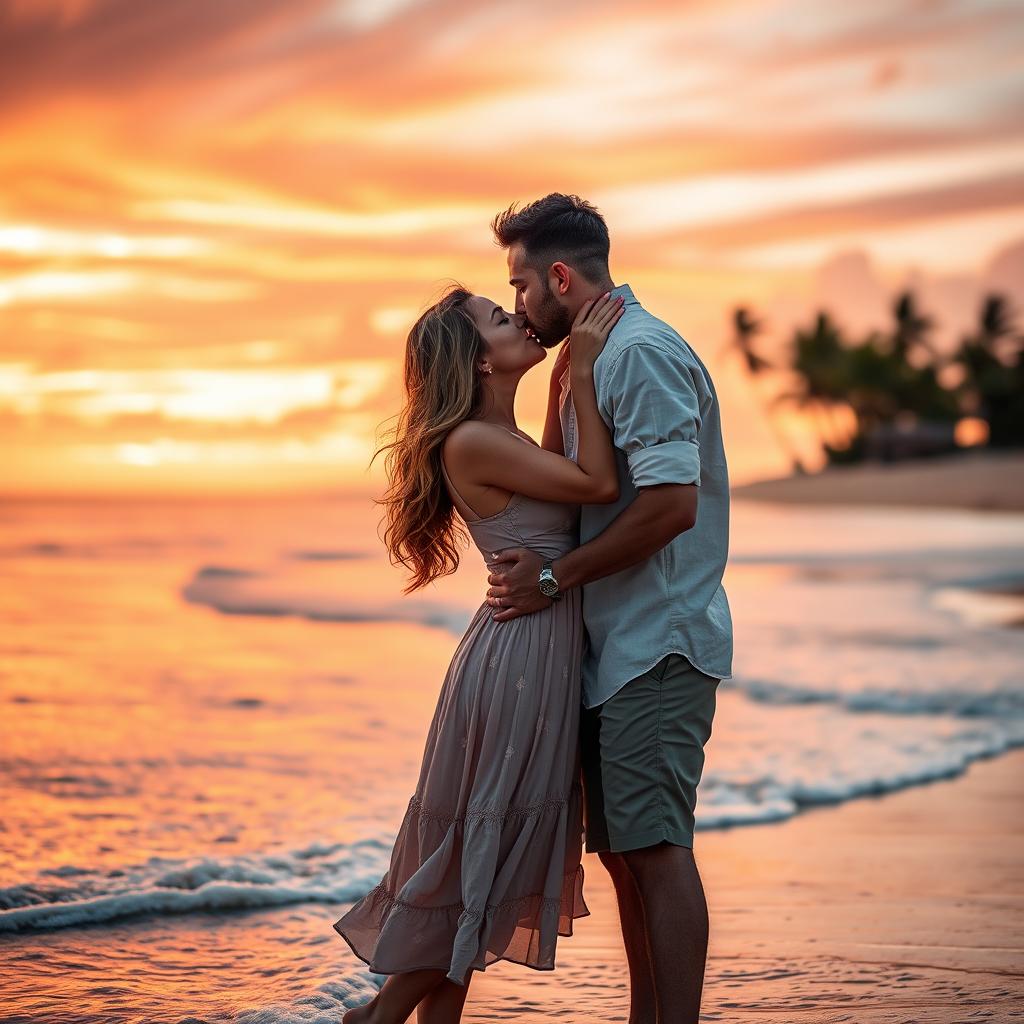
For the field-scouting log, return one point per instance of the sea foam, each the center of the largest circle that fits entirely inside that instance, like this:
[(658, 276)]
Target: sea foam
[(317, 873)]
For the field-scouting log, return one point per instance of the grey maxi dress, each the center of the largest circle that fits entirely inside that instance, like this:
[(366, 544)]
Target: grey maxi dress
[(486, 864)]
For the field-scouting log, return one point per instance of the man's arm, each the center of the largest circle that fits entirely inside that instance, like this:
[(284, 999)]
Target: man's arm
[(651, 399), (645, 526)]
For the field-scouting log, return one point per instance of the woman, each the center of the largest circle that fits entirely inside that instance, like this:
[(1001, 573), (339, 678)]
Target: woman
[(486, 865)]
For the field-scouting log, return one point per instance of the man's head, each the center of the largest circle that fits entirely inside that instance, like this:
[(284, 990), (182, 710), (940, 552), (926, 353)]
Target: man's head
[(557, 259)]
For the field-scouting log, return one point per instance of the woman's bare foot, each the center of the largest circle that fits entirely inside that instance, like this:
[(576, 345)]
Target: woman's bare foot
[(398, 997), (361, 1014)]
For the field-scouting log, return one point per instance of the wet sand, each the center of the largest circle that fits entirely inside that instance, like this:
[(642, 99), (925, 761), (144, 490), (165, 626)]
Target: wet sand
[(902, 908), (982, 480)]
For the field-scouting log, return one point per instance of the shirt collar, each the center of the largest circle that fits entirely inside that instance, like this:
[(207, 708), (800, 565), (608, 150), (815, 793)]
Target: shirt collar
[(627, 293), (631, 300)]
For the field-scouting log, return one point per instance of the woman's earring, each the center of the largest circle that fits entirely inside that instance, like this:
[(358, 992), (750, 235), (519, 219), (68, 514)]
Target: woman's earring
[(488, 369)]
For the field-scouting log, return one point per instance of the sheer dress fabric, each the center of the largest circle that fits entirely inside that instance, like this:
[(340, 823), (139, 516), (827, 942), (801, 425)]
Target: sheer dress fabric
[(487, 862)]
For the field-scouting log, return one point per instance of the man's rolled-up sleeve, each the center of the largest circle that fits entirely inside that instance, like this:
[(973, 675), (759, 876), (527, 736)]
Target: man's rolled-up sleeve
[(649, 397)]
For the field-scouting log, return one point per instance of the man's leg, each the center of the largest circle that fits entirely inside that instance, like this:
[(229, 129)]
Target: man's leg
[(652, 736), (676, 916), (643, 1005)]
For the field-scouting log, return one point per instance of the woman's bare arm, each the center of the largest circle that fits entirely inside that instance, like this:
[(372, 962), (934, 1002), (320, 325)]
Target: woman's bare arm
[(553, 440), (486, 454)]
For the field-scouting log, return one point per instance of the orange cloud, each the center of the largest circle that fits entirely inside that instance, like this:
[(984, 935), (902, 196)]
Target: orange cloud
[(208, 207)]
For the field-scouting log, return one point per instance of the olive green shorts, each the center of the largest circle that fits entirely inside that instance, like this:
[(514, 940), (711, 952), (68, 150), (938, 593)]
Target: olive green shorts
[(642, 752)]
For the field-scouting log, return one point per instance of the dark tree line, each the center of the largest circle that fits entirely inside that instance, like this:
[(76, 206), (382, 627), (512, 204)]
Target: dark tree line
[(892, 381)]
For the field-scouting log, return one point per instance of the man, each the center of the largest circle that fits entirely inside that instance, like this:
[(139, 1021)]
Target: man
[(658, 622)]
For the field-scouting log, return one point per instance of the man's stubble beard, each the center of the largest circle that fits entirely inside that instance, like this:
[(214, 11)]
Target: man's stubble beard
[(555, 321)]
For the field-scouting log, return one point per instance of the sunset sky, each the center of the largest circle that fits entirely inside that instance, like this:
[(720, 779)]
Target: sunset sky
[(219, 219)]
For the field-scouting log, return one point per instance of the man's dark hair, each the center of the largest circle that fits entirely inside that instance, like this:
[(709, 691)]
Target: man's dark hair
[(557, 228)]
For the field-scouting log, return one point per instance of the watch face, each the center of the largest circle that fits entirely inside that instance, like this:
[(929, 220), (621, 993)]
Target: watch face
[(548, 587)]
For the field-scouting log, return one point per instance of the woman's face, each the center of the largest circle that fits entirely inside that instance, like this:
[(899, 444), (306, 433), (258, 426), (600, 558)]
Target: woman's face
[(508, 348)]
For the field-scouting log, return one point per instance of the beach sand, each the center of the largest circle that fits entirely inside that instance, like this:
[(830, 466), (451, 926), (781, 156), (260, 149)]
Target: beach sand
[(901, 908), (975, 479)]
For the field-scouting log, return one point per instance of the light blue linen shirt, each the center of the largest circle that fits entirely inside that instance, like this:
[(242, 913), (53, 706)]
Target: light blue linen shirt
[(661, 407)]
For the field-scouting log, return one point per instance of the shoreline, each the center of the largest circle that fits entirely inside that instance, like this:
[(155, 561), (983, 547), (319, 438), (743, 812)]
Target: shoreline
[(896, 908), (984, 481)]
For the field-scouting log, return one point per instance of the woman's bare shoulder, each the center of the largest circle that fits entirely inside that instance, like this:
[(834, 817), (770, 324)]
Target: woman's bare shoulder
[(471, 437)]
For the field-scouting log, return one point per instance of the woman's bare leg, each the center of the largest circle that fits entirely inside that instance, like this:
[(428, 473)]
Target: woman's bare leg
[(397, 998), (444, 1003)]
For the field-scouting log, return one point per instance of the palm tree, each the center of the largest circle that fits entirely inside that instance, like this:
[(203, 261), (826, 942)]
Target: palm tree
[(745, 329), (820, 360), (993, 385), (911, 328)]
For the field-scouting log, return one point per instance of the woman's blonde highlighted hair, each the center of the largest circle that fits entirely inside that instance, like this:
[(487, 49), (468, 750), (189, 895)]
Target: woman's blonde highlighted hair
[(442, 388)]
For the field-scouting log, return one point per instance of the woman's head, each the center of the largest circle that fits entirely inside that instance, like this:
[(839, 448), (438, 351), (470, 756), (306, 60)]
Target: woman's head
[(466, 339), (461, 352)]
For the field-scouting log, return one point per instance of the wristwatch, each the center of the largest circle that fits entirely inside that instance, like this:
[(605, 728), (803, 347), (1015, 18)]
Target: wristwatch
[(547, 582)]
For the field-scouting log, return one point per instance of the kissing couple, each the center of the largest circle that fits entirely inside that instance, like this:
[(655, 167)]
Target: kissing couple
[(581, 696)]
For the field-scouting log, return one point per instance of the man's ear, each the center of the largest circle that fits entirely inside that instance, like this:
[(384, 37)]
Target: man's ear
[(562, 277)]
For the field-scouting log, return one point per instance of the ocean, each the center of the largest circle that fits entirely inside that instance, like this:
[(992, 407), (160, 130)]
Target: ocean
[(213, 713)]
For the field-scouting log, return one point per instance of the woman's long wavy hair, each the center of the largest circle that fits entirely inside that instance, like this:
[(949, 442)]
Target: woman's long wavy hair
[(442, 388)]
